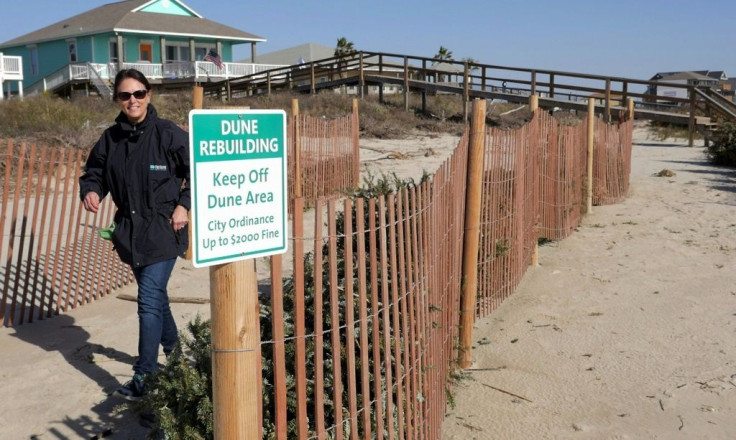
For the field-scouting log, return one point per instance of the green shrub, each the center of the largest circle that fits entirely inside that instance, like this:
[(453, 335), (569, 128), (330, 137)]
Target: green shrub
[(180, 393), (722, 150)]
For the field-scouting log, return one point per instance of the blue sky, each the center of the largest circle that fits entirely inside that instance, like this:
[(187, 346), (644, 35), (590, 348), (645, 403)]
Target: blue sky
[(627, 38)]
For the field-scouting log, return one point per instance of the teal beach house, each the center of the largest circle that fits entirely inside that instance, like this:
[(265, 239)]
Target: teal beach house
[(172, 44)]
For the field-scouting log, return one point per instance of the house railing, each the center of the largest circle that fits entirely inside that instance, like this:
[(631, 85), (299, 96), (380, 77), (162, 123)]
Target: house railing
[(11, 68), (198, 71), (70, 72)]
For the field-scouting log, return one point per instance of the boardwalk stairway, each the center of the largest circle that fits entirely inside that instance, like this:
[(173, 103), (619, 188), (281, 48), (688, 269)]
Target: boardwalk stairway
[(718, 108), (101, 84)]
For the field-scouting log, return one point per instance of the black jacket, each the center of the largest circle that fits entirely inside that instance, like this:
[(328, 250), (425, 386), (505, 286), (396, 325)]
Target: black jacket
[(145, 168)]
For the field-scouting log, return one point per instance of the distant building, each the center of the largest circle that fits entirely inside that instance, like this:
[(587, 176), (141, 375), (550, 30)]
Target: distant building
[(299, 58), (304, 53), (717, 79)]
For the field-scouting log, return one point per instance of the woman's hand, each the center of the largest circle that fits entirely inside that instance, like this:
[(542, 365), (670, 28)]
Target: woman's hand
[(179, 218), (91, 202)]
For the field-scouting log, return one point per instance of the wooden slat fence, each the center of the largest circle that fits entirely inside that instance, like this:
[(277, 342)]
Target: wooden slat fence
[(562, 177), (329, 156), (377, 321), (361, 339), (611, 162), (51, 257), (370, 326), (534, 187), (509, 212)]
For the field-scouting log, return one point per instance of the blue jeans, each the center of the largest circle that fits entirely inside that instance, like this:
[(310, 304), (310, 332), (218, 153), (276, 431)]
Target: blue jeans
[(156, 325)]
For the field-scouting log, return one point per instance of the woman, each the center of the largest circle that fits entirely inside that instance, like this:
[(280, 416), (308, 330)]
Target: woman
[(143, 162)]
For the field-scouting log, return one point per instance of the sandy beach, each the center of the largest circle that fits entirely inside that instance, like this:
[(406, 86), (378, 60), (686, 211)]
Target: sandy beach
[(625, 330)]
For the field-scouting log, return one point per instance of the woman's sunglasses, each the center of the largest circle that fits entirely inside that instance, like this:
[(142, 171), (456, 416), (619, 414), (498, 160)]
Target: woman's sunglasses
[(139, 94)]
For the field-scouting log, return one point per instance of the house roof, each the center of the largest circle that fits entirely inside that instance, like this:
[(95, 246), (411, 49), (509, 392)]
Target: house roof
[(687, 75), (306, 53), (713, 74), (125, 16), (447, 67)]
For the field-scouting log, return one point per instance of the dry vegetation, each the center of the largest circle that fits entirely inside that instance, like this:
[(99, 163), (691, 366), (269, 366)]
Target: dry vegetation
[(79, 121)]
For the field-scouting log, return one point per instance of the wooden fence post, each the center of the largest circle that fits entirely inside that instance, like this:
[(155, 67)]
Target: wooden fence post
[(197, 97), (630, 106), (591, 139), (534, 107), (298, 191), (236, 351), (356, 143), (406, 84), (691, 121), (471, 236), (197, 104), (298, 270), (608, 100), (551, 85), (466, 91), (362, 76)]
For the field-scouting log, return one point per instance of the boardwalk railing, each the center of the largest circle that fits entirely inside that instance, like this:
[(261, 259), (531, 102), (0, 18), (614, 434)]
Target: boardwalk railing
[(363, 70)]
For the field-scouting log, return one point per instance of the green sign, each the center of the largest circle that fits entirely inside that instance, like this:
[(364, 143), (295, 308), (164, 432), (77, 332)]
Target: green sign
[(239, 189)]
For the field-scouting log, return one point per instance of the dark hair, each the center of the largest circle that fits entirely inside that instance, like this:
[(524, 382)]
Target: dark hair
[(129, 73)]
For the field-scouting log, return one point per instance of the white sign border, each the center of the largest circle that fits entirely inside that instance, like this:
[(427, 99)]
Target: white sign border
[(193, 208)]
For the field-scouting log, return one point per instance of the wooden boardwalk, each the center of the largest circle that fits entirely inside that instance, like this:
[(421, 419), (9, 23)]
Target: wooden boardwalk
[(374, 72)]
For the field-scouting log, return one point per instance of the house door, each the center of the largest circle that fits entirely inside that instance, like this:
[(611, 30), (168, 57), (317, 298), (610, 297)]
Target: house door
[(146, 52)]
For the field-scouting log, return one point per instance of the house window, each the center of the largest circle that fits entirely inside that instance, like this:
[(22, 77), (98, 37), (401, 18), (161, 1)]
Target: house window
[(172, 54), (113, 51), (176, 52), (72, 51), (180, 52), (34, 60)]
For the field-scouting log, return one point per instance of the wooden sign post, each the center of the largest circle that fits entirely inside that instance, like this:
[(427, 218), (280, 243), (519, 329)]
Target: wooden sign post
[(236, 350)]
